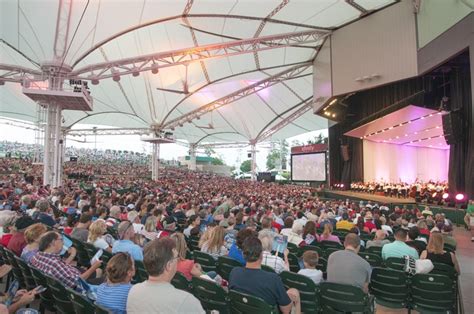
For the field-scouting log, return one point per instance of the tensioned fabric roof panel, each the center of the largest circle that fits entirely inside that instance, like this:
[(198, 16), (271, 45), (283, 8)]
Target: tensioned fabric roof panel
[(110, 30)]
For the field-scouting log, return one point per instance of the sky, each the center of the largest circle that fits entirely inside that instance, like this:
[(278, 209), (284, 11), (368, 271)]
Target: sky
[(231, 156)]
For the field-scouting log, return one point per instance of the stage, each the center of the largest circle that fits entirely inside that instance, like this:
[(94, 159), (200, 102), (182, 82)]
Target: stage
[(369, 197)]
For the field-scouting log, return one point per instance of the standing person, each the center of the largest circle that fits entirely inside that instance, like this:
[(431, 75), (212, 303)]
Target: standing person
[(268, 286), (113, 293), (469, 218), (347, 267), (157, 294)]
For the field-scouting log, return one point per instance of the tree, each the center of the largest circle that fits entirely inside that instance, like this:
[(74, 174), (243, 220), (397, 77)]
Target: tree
[(209, 151), (278, 156), (272, 159), (217, 161), (246, 166)]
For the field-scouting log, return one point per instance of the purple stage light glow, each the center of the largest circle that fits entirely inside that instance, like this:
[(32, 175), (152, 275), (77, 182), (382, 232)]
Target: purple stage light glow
[(459, 197), (445, 196)]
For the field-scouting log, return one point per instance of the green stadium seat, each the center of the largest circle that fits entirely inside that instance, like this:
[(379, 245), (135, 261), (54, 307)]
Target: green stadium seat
[(60, 296), (314, 248), (81, 304), (375, 250), (374, 260), (293, 248), (47, 300), (140, 273), (225, 265), (241, 303), (341, 298), (293, 261), (193, 243), (309, 291), (432, 293), (207, 262), (180, 282), (211, 295), (30, 282), (397, 263), (389, 286)]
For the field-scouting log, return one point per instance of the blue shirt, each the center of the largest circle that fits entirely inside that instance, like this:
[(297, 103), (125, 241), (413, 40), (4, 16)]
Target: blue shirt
[(398, 249), (129, 247), (236, 254), (113, 297)]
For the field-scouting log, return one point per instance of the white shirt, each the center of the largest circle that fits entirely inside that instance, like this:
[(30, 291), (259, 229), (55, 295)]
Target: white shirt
[(273, 261), (313, 274)]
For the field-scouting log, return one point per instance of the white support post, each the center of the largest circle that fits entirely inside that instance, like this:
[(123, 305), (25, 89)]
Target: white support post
[(253, 168), (155, 161), (192, 157), (52, 166)]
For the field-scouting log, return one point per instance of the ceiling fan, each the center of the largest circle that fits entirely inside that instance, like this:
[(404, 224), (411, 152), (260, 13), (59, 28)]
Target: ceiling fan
[(185, 90)]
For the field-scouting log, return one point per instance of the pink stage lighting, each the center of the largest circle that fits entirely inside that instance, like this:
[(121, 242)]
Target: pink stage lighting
[(445, 196), (342, 185), (459, 197)]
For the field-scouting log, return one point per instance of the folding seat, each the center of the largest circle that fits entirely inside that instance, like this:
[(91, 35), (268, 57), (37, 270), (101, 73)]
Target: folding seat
[(390, 287), (211, 295), (337, 298), (140, 273), (431, 293), (225, 265), (309, 291), (397, 263), (180, 282), (374, 260), (242, 303), (47, 300), (60, 295), (207, 262)]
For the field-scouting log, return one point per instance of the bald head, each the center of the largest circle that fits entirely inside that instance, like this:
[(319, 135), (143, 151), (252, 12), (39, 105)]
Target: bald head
[(379, 235)]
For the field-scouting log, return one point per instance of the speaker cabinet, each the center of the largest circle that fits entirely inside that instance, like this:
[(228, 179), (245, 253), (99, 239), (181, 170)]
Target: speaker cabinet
[(452, 127)]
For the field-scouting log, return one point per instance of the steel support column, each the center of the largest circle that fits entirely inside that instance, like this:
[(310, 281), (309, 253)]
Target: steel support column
[(52, 166), (253, 168), (192, 156), (155, 161)]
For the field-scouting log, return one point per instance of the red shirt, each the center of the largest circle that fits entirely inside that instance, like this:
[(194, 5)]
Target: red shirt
[(6, 239), (17, 243), (185, 267), (370, 225), (68, 230)]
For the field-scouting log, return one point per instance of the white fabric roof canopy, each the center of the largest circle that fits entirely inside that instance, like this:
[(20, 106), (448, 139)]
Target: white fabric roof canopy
[(111, 30)]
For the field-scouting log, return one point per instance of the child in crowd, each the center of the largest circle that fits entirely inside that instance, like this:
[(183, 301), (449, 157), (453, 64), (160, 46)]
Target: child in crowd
[(310, 260)]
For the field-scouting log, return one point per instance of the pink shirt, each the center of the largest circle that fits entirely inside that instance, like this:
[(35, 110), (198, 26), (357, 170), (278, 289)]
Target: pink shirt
[(332, 238), (185, 267)]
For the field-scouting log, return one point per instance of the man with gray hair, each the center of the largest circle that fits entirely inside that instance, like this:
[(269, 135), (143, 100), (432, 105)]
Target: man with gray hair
[(347, 267), (44, 215)]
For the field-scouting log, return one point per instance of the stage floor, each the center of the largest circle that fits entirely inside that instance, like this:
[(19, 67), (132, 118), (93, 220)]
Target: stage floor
[(372, 197)]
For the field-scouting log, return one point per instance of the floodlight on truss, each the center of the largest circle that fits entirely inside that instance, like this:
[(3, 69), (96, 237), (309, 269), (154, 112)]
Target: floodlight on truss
[(152, 62)]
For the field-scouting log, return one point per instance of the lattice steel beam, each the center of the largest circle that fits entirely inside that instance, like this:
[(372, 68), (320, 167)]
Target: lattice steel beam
[(239, 94), (305, 107), (185, 56), (224, 145), (109, 131), (12, 73)]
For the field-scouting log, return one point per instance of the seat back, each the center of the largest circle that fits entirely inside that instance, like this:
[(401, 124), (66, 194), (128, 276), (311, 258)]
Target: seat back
[(329, 250), (293, 261), (46, 297), (241, 303), (267, 268), (389, 286), (82, 255), (225, 265), (444, 269), (433, 293), (140, 273), (331, 244), (313, 248), (309, 291), (90, 249), (450, 248), (336, 298), (60, 295), (80, 303), (17, 273), (211, 295), (397, 263), (207, 262), (26, 271), (293, 248), (193, 243), (180, 282), (374, 250), (373, 259)]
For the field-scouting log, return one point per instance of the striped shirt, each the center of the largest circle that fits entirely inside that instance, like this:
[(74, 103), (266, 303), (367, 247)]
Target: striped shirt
[(275, 262), (54, 266), (114, 297)]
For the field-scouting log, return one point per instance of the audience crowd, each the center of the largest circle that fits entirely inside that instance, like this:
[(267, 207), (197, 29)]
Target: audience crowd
[(119, 210)]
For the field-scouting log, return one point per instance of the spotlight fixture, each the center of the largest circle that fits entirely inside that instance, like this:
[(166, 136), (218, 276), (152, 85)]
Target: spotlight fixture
[(459, 197), (155, 68), (445, 196)]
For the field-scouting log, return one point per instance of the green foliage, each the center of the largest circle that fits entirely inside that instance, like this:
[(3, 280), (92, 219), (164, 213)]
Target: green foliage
[(280, 152), (246, 166), (217, 161)]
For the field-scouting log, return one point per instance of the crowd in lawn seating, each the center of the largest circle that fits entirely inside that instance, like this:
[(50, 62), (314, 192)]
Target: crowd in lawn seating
[(152, 219)]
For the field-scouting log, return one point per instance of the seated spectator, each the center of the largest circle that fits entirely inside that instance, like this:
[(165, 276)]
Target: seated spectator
[(149, 231), (157, 294), (114, 216), (309, 234), (8, 226), (399, 248), (113, 293), (344, 223), (268, 286), (134, 218), (81, 231), (44, 215), (295, 235), (347, 267), (215, 245), (368, 222), (327, 234), (71, 222), (273, 260), (415, 241), (435, 252), (98, 237), (235, 251), (50, 262), (239, 225), (32, 236), (169, 227), (193, 222), (423, 227), (267, 227), (230, 232), (17, 241), (379, 240), (185, 266), (125, 244), (288, 226), (310, 261), (447, 233)]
